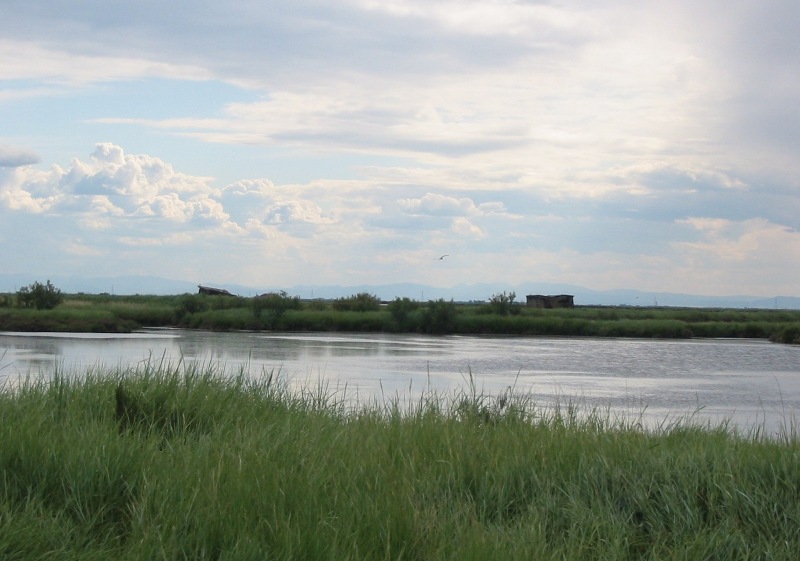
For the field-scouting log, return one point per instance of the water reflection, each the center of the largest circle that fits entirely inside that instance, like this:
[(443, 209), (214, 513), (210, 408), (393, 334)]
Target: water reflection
[(746, 381)]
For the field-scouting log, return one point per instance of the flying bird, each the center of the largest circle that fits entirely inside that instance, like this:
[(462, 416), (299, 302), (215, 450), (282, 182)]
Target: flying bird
[(443, 256)]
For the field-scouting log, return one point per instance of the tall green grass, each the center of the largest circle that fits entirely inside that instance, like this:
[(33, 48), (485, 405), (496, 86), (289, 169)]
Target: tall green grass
[(65, 320), (199, 464)]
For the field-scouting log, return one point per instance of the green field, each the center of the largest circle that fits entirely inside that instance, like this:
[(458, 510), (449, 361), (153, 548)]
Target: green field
[(185, 462), (107, 313)]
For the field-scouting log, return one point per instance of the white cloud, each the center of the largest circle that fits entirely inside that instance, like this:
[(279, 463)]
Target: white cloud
[(159, 241), (742, 242), (136, 185), (245, 200), (78, 248), (739, 257), (11, 157), (295, 211), (463, 227), (458, 208), (507, 17), (28, 190), (439, 205), (33, 60)]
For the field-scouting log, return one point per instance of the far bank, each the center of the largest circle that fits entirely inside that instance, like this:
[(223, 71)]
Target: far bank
[(500, 315)]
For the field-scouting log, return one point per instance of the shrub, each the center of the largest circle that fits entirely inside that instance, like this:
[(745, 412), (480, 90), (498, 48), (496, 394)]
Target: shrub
[(277, 303), (401, 309), (789, 335), (151, 315), (223, 320), (440, 316), (310, 320), (190, 304), (361, 302), (227, 302), (39, 296), (317, 305), (501, 303)]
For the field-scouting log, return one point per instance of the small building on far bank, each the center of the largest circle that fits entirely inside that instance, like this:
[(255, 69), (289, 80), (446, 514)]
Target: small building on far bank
[(211, 291), (557, 301)]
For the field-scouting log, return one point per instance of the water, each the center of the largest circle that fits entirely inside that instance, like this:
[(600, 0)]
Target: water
[(749, 383)]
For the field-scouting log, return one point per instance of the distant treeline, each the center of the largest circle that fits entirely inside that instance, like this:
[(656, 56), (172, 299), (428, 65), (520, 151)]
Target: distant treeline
[(363, 312)]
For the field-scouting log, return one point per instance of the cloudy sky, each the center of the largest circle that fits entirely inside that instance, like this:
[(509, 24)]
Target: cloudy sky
[(611, 144)]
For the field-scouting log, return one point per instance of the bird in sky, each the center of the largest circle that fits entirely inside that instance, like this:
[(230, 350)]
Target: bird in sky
[(443, 256)]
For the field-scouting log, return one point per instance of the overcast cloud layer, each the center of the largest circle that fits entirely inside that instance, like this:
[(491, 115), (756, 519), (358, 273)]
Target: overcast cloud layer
[(609, 144)]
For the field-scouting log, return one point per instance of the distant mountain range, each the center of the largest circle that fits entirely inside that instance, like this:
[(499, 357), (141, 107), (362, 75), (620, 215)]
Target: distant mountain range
[(460, 293)]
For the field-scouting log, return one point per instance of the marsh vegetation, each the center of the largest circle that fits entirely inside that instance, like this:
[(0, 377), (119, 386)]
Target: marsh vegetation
[(185, 462), (366, 313)]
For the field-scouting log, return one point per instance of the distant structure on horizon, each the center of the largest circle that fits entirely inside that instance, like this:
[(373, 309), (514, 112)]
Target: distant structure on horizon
[(557, 301), (212, 291)]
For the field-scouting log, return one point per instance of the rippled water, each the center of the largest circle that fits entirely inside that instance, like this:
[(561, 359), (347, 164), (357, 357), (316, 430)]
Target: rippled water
[(748, 382)]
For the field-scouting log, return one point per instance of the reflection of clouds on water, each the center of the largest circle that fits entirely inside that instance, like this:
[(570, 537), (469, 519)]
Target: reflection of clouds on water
[(29, 359), (33, 354)]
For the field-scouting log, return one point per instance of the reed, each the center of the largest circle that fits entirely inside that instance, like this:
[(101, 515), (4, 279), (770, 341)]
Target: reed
[(64, 320), (186, 461)]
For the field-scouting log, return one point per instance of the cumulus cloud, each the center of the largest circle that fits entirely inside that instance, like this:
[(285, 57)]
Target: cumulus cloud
[(113, 203), (295, 211), (463, 227), (145, 202), (28, 190), (437, 204), (246, 199), (118, 184)]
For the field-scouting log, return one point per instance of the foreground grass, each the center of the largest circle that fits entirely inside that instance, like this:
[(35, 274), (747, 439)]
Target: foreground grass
[(183, 463)]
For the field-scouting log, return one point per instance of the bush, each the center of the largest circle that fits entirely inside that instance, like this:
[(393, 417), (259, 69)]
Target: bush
[(150, 315), (361, 302), (317, 305), (440, 316), (401, 309), (224, 320), (501, 303), (277, 303), (39, 296), (227, 302), (789, 335), (190, 304)]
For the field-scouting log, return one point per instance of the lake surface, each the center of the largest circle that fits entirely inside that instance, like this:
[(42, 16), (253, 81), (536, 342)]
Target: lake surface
[(746, 382)]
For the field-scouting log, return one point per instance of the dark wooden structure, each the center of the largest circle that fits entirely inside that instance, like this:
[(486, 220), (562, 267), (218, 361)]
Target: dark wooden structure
[(557, 301), (212, 291)]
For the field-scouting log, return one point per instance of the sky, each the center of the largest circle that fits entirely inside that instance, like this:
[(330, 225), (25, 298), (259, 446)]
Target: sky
[(609, 144)]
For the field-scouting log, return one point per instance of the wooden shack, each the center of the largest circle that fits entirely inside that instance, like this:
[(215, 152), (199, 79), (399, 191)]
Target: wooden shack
[(557, 301), (212, 291)]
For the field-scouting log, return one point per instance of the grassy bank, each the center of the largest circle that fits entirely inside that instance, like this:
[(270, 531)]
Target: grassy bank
[(183, 463), (106, 313)]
